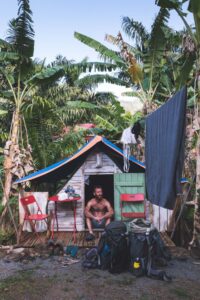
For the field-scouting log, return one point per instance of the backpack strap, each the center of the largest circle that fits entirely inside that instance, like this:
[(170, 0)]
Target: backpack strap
[(149, 257), (160, 275)]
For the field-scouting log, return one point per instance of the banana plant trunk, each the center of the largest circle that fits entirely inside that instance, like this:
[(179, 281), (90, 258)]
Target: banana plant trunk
[(194, 7), (9, 154), (196, 232)]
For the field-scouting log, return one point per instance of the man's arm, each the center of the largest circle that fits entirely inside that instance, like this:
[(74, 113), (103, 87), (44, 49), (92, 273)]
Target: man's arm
[(110, 211), (88, 207)]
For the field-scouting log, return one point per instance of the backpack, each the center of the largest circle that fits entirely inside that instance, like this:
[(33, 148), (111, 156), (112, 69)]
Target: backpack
[(113, 248), (91, 259), (146, 250), (138, 253)]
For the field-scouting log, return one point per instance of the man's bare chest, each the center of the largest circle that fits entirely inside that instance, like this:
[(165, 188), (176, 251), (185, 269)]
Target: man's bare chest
[(99, 207)]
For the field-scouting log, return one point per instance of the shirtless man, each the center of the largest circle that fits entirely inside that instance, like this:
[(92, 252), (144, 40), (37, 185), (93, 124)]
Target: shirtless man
[(98, 212)]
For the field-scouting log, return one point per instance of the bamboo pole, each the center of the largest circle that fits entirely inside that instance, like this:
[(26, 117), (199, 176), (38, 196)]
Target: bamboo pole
[(184, 200)]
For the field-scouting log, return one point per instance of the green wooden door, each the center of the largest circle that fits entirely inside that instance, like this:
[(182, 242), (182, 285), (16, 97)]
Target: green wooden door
[(128, 183)]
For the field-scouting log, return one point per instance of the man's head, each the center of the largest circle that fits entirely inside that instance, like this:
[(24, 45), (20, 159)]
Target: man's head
[(98, 192)]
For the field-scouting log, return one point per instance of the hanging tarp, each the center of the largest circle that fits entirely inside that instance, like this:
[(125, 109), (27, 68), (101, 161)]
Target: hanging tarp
[(164, 150)]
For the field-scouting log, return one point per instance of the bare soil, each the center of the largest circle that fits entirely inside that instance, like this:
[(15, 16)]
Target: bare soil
[(34, 276)]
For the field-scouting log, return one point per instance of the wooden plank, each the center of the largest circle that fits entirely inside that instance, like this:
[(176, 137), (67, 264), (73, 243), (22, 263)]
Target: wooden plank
[(99, 171), (131, 183), (107, 164), (30, 240)]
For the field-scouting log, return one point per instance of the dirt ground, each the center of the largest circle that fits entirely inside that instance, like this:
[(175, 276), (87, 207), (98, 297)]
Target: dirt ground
[(40, 276)]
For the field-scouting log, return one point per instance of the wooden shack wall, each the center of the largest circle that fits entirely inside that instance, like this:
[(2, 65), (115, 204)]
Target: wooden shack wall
[(90, 167), (160, 217)]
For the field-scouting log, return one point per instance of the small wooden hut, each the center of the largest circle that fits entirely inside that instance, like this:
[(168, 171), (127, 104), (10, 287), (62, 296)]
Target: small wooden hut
[(98, 162)]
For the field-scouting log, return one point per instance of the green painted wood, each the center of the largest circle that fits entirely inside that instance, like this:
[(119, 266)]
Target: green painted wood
[(128, 183)]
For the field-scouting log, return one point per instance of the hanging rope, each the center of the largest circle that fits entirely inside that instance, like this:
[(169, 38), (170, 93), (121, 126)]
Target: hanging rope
[(127, 153)]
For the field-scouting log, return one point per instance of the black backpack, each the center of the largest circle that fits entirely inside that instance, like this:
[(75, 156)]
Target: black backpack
[(138, 253), (146, 251), (91, 259), (113, 248)]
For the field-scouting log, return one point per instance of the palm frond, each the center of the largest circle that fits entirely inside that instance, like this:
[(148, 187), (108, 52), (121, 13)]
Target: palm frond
[(8, 56), (185, 70), (157, 38), (46, 75), (92, 80), (130, 94), (115, 41), (21, 33), (94, 66), (136, 31), (169, 3), (104, 124), (4, 45), (156, 46), (103, 97), (77, 111), (106, 53), (3, 112), (78, 104)]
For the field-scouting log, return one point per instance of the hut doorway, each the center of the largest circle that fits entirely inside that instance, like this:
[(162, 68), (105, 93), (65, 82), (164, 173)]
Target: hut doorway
[(107, 183)]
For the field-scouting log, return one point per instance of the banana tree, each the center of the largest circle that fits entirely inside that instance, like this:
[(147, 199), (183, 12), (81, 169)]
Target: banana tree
[(192, 55), (148, 64), (19, 77)]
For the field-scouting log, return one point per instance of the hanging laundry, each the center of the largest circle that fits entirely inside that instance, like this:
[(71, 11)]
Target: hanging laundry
[(164, 150), (127, 139)]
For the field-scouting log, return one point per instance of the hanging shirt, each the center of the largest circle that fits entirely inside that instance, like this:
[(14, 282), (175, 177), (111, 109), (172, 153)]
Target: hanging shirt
[(164, 150), (128, 137)]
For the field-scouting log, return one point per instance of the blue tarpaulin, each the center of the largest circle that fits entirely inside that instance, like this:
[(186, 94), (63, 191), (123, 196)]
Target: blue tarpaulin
[(164, 150)]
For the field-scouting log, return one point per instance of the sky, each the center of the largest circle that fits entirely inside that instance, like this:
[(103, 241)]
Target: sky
[(56, 20)]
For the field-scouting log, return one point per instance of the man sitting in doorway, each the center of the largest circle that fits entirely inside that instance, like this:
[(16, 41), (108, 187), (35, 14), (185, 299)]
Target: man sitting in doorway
[(98, 212)]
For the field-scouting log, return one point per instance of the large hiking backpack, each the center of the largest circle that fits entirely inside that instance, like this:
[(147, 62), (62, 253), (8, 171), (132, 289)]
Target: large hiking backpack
[(113, 249), (146, 250)]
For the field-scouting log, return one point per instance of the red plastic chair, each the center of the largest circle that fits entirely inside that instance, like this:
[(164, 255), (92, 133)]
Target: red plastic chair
[(32, 218), (132, 198)]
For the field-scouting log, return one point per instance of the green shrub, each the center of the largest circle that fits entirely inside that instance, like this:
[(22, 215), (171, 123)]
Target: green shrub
[(7, 237)]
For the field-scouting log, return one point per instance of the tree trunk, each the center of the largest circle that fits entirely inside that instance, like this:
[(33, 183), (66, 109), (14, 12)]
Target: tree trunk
[(196, 232), (9, 156)]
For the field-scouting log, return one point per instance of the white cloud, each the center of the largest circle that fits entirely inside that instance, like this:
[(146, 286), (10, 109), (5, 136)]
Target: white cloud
[(130, 104)]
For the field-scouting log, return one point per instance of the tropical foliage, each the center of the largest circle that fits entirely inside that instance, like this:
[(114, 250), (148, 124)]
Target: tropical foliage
[(152, 63), (43, 106), (39, 103), (191, 64), (158, 63)]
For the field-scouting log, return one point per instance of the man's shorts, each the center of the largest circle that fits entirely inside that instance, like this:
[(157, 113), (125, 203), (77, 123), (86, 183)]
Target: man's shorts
[(99, 225)]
